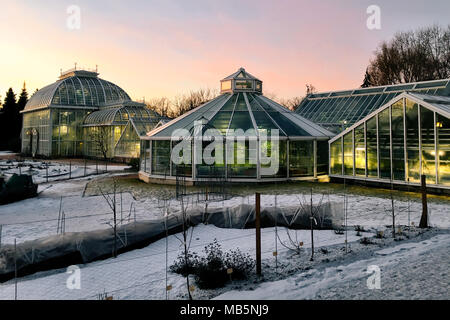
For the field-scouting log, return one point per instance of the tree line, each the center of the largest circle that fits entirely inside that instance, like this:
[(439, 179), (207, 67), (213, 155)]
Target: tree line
[(181, 104), (11, 119), (411, 56)]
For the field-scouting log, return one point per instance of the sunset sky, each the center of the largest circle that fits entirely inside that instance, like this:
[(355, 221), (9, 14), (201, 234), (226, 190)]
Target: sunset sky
[(164, 48)]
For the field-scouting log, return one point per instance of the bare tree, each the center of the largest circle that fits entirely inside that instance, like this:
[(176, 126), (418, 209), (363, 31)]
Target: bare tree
[(186, 243), (304, 207), (394, 209), (100, 137), (160, 105), (310, 89), (411, 56), (184, 103), (291, 103), (112, 202)]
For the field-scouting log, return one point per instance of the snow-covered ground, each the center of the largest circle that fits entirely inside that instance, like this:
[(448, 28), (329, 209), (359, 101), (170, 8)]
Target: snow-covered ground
[(141, 274), (419, 270), (38, 217), (54, 169)]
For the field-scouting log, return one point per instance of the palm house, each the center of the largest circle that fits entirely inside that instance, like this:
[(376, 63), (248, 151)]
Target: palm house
[(83, 115), (241, 135)]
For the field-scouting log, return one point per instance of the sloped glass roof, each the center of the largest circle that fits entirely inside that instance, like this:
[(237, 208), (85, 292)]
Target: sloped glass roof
[(439, 104), (243, 110), (339, 110), (120, 115), (80, 89), (241, 74)]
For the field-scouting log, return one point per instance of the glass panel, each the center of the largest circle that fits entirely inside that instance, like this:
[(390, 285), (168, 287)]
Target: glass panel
[(71, 91), (412, 140), (217, 169), (245, 169), (336, 106), (443, 129), (161, 157), (243, 84), (282, 160), (336, 157), (183, 169), (360, 151), (36, 135), (398, 147), (226, 85), (322, 157), (241, 117), (63, 93), (301, 158), (348, 154), (78, 91), (428, 151), (372, 153), (385, 144), (129, 144)]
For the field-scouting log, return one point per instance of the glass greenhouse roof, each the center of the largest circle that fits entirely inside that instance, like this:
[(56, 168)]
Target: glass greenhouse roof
[(439, 104), (339, 110), (81, 89), (244, 111), (240, 74), (121, 115)]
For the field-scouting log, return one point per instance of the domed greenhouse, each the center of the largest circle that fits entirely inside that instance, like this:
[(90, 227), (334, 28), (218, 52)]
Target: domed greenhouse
[(240, 135), (83, 115)]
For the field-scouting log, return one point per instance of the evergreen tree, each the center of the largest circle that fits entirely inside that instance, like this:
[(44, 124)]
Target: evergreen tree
[(10, 137), (10, 104), (23, 98), (367, 80)]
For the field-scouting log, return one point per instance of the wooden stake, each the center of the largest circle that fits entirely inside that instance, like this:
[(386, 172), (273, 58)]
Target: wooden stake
[(312, 228), (424, 218), (15, 269), (258, 232), (115, 222)]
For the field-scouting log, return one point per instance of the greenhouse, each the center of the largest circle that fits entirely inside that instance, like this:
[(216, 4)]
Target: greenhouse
[(339, 110), (407, 137), (240, 135), (83, 115)]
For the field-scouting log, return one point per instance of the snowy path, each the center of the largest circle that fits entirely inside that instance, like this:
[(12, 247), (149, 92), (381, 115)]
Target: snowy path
[(418, 270)]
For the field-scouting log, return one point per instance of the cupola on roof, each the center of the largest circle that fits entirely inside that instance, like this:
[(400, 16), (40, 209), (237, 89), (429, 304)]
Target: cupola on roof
[(241, 81)]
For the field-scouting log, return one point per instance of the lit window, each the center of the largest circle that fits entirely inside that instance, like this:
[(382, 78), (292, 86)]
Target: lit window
[(63, 129), (243, 84), (226, 85)]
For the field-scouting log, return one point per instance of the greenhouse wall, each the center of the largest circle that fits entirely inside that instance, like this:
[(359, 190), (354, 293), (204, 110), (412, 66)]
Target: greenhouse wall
[(67, 132), (400, 143), (304, 158), (36, 134)]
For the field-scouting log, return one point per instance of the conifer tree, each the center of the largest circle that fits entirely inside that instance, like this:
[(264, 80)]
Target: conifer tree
[(8, 131)]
